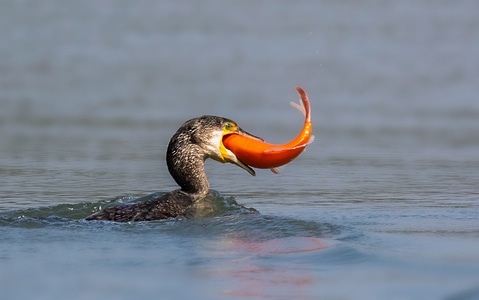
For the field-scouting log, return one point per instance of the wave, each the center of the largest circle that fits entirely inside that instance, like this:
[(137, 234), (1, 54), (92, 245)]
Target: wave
[(215, 215)]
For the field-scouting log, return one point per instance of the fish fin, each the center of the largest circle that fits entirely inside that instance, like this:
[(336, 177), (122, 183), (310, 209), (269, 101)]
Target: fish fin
[(277, 170), (278, 149), (299, 106)]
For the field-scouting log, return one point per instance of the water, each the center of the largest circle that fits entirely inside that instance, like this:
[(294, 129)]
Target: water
[(383, 205)]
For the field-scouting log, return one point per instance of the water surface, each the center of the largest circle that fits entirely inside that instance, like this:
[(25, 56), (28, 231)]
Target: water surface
[(383, 205)]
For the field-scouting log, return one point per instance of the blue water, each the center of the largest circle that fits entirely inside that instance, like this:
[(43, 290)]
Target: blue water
[(383, 204)]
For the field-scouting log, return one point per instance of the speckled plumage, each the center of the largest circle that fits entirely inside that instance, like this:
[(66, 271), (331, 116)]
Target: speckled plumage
[(166, 206), (190, 146)]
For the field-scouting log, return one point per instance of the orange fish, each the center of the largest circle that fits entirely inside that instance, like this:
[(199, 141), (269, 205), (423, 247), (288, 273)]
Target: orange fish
[(259, 154)]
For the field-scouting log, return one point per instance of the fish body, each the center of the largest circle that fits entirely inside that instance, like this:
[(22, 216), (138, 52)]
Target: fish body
[(259, 154)]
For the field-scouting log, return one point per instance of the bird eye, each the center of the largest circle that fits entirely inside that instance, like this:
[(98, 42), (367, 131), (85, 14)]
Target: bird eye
[(228, 126)]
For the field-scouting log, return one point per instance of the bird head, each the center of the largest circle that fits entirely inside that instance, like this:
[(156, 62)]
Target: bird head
[(211, 133)]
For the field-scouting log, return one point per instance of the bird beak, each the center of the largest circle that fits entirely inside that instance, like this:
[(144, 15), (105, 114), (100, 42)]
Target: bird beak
[(229, 156), (247, 134), (234, 160)]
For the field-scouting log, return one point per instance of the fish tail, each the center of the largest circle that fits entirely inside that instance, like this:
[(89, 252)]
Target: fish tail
[(305, 103), (299, 107)]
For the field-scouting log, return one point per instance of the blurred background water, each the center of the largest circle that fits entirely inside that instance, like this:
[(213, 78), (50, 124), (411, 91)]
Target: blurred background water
[(383, 205)]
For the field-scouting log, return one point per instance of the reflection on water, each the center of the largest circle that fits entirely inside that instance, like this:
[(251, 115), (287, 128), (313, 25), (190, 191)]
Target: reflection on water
[(92, 91)]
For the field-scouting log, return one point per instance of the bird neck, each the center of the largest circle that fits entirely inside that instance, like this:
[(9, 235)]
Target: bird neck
[(186, 164)]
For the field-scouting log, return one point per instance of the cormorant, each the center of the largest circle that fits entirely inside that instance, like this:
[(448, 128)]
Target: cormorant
[(195, 141)]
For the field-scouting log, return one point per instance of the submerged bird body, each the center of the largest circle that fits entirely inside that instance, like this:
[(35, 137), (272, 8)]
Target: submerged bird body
[(194, 142), (166, 206)]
